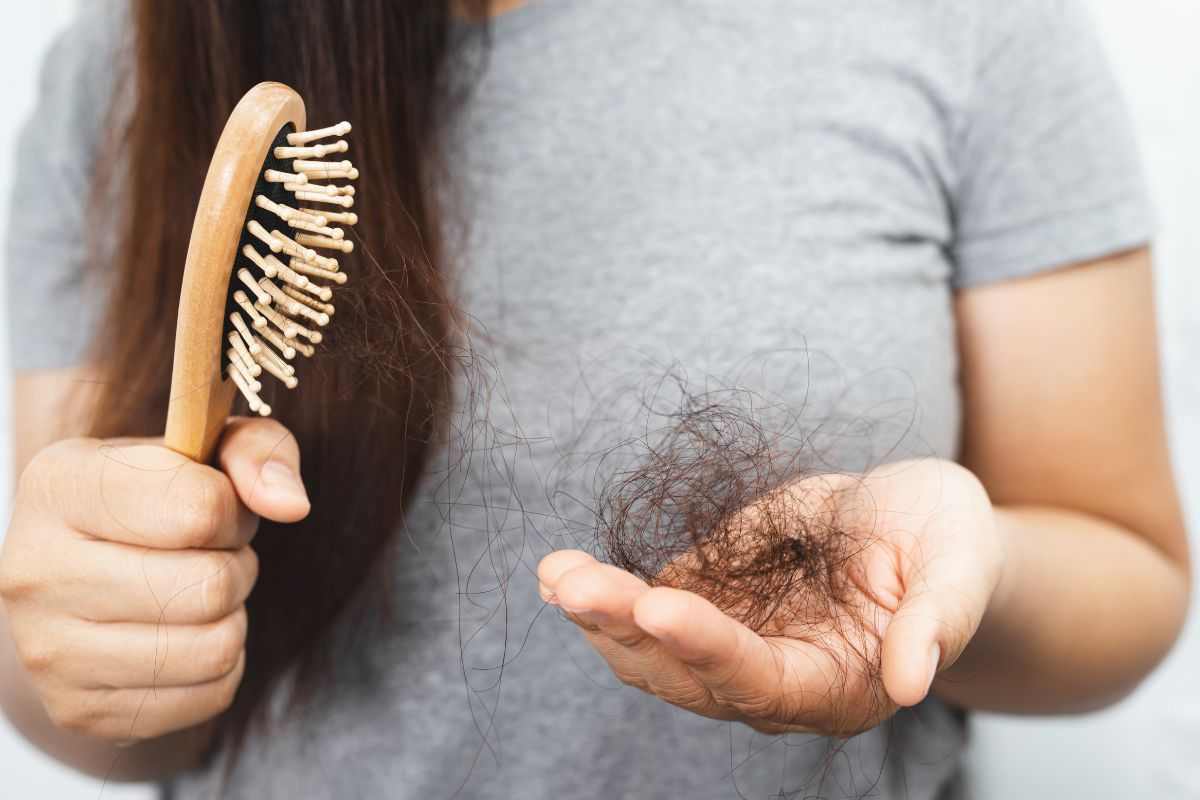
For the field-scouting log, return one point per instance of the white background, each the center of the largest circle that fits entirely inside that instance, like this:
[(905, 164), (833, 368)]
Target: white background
[(1148, 746)]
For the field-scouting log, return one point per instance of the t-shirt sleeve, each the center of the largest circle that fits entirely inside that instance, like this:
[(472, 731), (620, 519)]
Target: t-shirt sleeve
[(1048, 168), (52, 307)]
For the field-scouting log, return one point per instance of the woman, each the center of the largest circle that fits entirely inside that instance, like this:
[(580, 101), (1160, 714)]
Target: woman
[(939, 201)]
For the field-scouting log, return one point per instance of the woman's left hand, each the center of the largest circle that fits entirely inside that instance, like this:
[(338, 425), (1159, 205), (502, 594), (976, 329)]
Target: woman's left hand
[(929, 564)]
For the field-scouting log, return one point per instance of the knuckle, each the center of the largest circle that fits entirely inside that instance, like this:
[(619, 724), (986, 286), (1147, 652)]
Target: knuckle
[(224, 644), (219, 587), (583, 624), (69, 713), (227, 693), (258, 436), (44, 461), (38, 656), (61, 714), (270, 429), (224, 693), (15, 583), (249, 566), (633, 640), (33, 482), (44, 477), (201, 512), (272, 432), (73, 722)]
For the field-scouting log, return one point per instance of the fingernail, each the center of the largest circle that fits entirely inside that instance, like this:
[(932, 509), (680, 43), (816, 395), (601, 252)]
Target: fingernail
[(279, 476), (935, 658)]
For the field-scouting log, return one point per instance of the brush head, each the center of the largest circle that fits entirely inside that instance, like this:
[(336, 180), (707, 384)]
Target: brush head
[(262, 263), (286, 265)]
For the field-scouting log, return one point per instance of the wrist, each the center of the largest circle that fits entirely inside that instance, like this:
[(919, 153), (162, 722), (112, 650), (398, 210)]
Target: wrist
[(1006, 578), (986, 642)]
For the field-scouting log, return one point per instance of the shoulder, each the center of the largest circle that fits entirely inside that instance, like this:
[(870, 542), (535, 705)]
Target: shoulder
[(45, 248), (78, 74), (1017, 34), (1048, 166)]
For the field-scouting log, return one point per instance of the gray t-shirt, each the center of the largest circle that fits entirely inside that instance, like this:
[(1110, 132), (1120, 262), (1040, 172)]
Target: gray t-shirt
[(779, 195)]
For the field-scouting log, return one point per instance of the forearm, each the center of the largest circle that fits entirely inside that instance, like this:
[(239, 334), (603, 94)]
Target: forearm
[(144, 761), (1085, 609)]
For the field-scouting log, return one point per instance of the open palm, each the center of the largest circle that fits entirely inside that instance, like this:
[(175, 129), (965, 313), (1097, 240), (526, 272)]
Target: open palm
[(923, 564)]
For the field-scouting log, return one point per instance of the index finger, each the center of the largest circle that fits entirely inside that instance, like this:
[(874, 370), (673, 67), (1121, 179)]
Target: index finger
[(138, 492)]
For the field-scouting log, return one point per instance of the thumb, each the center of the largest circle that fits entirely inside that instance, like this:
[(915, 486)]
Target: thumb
[(935, 621), (262, 459)]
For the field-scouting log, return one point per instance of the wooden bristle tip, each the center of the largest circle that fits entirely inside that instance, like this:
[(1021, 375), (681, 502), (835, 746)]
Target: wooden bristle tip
[(252, 284), (286, 326), (276, 176), (301, 297), (256, 319), (240, 326), (267, 264), (320, 230), (260, 233), (275, 339), (304, 137), (256, 403), (312, 151), (313, 197), (341, 245), (339, 217)]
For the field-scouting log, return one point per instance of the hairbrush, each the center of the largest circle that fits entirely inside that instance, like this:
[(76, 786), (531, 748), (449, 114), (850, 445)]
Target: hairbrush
[(256, 288)]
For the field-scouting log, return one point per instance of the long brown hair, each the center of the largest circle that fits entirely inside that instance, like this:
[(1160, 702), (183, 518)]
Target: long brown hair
[(369, 408)]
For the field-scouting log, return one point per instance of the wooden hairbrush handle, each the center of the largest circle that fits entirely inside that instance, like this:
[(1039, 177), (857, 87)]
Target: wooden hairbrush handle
[(201, 396)]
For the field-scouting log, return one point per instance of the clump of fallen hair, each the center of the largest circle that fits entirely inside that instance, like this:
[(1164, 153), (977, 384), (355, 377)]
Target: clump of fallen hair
[(724, 500), (718, 503)]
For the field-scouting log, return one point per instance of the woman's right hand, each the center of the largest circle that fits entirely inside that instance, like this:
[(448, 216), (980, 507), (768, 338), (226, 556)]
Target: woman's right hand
[(126, 570)]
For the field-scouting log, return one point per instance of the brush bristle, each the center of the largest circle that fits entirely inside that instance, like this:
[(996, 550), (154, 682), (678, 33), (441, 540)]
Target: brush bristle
[(278, 307)]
